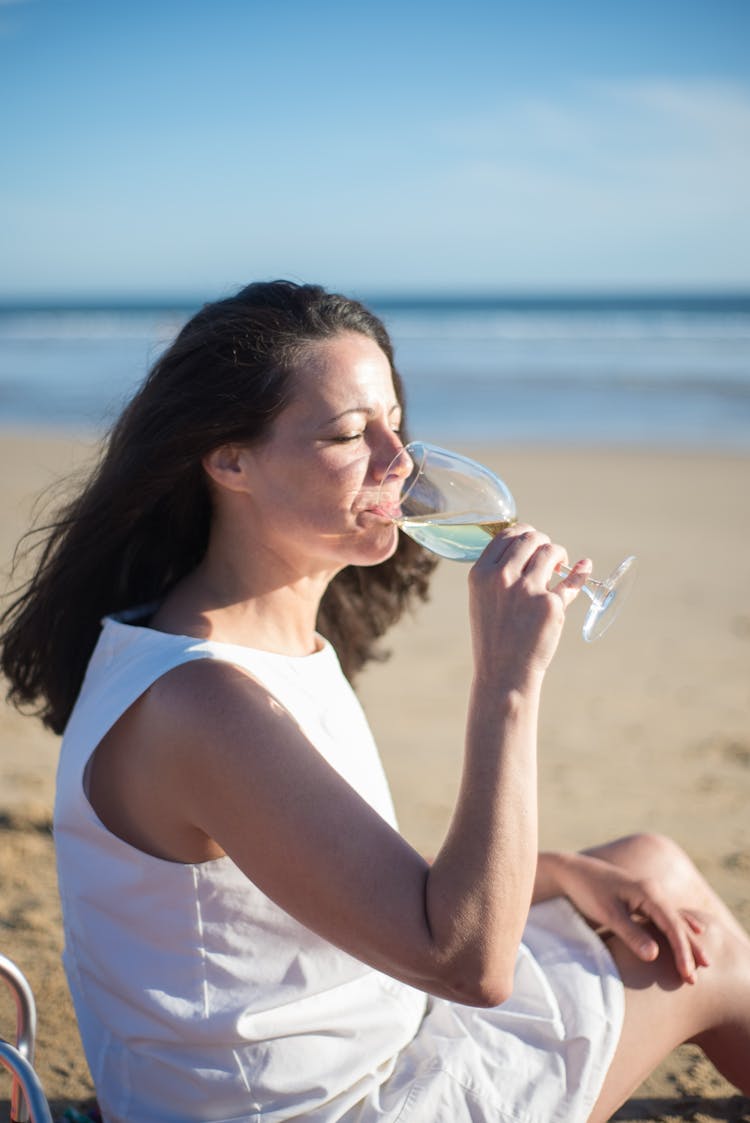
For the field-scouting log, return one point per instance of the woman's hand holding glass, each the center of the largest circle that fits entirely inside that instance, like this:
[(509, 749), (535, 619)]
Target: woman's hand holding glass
[(517, 608)]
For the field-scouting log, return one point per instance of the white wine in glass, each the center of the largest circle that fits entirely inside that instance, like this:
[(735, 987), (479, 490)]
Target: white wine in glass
[(454, 505)]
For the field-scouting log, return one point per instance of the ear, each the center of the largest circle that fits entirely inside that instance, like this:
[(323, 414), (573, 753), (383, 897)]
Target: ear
[(226, 467)]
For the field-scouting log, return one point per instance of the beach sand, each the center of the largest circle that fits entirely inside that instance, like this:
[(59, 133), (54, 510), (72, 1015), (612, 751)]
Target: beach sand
[(646, 730)]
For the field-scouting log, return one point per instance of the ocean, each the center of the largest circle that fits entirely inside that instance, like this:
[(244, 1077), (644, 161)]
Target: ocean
[(629, 370)]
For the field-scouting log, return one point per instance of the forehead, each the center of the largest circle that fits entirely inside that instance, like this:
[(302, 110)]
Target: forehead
[(344, 372)]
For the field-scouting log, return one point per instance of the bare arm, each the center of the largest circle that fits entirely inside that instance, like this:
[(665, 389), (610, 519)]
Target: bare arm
[(211, 756), (483, 876)]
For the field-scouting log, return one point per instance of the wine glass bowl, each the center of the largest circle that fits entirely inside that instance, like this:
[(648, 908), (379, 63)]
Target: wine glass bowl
[(453, 505), (446, 502)]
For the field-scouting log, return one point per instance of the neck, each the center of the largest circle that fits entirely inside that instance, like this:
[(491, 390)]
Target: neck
[(247, 596)]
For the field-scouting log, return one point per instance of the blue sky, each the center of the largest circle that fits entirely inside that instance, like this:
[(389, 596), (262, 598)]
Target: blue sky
[(183, 147)]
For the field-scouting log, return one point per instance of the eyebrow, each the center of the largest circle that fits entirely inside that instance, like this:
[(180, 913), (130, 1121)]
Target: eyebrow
[(368, 410)]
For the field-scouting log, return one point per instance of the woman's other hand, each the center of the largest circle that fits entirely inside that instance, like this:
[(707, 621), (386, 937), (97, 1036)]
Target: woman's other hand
[(633, 909)]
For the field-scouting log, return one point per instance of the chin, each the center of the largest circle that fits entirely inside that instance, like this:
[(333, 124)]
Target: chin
[(376, 548)]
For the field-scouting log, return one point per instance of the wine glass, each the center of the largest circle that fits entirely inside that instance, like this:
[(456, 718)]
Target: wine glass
[(452, 505)]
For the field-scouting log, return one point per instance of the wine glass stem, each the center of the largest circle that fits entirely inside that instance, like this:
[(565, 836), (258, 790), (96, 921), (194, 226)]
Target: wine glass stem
[(596, 591)]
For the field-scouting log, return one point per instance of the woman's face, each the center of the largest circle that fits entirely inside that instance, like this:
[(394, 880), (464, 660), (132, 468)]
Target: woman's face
[(313, 481)]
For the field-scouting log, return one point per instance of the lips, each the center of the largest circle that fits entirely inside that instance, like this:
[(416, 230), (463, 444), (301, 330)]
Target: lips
[(383, 511), (390, 511), (378, 511)]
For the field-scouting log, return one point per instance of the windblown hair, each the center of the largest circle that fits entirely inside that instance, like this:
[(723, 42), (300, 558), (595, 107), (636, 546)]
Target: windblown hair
[(142, 520)]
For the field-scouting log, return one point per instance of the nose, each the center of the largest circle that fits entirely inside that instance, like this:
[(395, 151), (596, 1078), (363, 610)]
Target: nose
[(391, 476), (392, 462)]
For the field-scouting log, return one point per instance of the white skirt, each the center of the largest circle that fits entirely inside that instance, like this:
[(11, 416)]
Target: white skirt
[(541, 1057)]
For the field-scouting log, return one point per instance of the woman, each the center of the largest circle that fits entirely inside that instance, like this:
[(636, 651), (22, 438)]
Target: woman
[(246, 933)]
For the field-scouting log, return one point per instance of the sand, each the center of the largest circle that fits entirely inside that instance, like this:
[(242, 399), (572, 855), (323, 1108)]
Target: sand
[(645, 730)]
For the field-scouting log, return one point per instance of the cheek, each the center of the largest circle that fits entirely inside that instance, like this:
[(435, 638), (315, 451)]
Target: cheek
[(314, 492), (307, 504), (334, 484)]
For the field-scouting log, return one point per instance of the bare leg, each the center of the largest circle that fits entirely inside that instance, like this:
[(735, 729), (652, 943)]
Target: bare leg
[(661, 1011)]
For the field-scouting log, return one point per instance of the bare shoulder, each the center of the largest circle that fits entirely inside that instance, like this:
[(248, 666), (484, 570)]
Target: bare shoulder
[(187, 740), (208, 712), (202, 694)]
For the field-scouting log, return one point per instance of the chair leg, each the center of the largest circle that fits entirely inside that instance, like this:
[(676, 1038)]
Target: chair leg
[(35, 1106), (25, 1029)]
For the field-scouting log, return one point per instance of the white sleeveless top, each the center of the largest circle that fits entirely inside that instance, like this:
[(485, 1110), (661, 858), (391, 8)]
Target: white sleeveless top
[(198, 998)]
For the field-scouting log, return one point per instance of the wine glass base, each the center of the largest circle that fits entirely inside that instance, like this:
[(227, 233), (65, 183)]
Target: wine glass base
[(605, 608)]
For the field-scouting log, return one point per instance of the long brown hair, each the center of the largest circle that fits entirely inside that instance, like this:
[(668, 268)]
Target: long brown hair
[(142, 520)]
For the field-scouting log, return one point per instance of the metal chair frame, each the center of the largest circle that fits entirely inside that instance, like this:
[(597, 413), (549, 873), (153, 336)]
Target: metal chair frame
[(27, 1099)]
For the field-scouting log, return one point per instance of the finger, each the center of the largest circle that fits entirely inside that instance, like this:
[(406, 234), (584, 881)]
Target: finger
[(636, 937), (515, 529), (544, 561), (513, 548), (693, 922), (499, 544), (670, 923), (644, 944), (699, 954), (696, 928), (569, 587)]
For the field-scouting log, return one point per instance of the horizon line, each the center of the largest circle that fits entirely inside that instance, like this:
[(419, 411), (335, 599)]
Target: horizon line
[(398, 296)]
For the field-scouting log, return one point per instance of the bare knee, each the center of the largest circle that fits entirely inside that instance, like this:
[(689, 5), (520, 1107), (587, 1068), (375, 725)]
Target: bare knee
[(651, 855), (664, 858)]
